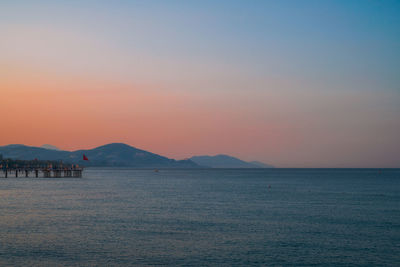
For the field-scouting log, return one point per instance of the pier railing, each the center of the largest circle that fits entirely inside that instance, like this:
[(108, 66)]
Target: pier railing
[(41, 173), (38, 168)]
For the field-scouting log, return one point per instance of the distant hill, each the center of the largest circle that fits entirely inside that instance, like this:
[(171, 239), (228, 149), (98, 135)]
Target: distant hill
[(225, 161), (116, 154), (122, 155), (47, 146), (23, 152), (261, 164)]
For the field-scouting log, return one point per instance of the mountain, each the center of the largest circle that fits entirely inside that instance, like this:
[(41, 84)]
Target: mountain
[(122, 155), (111, 155), (51, 147), (261, 164), (225, 161), (29, 152), (118, 154)]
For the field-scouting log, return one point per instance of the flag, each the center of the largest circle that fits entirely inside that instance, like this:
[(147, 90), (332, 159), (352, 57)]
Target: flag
[(84, 157)]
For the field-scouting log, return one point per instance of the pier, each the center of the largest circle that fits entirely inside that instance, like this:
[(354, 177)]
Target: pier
[(41, 173), (38, 169)]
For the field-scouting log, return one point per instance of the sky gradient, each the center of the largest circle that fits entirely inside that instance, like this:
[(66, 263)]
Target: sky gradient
[(289, 83)]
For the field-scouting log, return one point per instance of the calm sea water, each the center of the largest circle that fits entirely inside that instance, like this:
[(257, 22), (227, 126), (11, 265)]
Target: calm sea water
[(123, 217)]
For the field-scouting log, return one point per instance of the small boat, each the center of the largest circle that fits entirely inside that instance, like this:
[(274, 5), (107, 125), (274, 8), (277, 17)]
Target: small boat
[(155, 170)]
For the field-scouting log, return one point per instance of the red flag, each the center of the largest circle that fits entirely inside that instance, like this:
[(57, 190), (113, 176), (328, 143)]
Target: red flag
[(84, 157)]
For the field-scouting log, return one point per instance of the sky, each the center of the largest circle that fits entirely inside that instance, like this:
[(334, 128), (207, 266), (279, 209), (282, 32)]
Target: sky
[(288, 83)]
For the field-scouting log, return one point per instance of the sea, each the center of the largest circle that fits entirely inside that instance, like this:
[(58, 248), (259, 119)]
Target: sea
[(203, 217)]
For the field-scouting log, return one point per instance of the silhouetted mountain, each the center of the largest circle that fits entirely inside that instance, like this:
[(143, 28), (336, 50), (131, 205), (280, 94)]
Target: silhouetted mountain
[(122, 155), (116, 154), (261, 164), (23, 152), (225, 161), (47, 146)]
